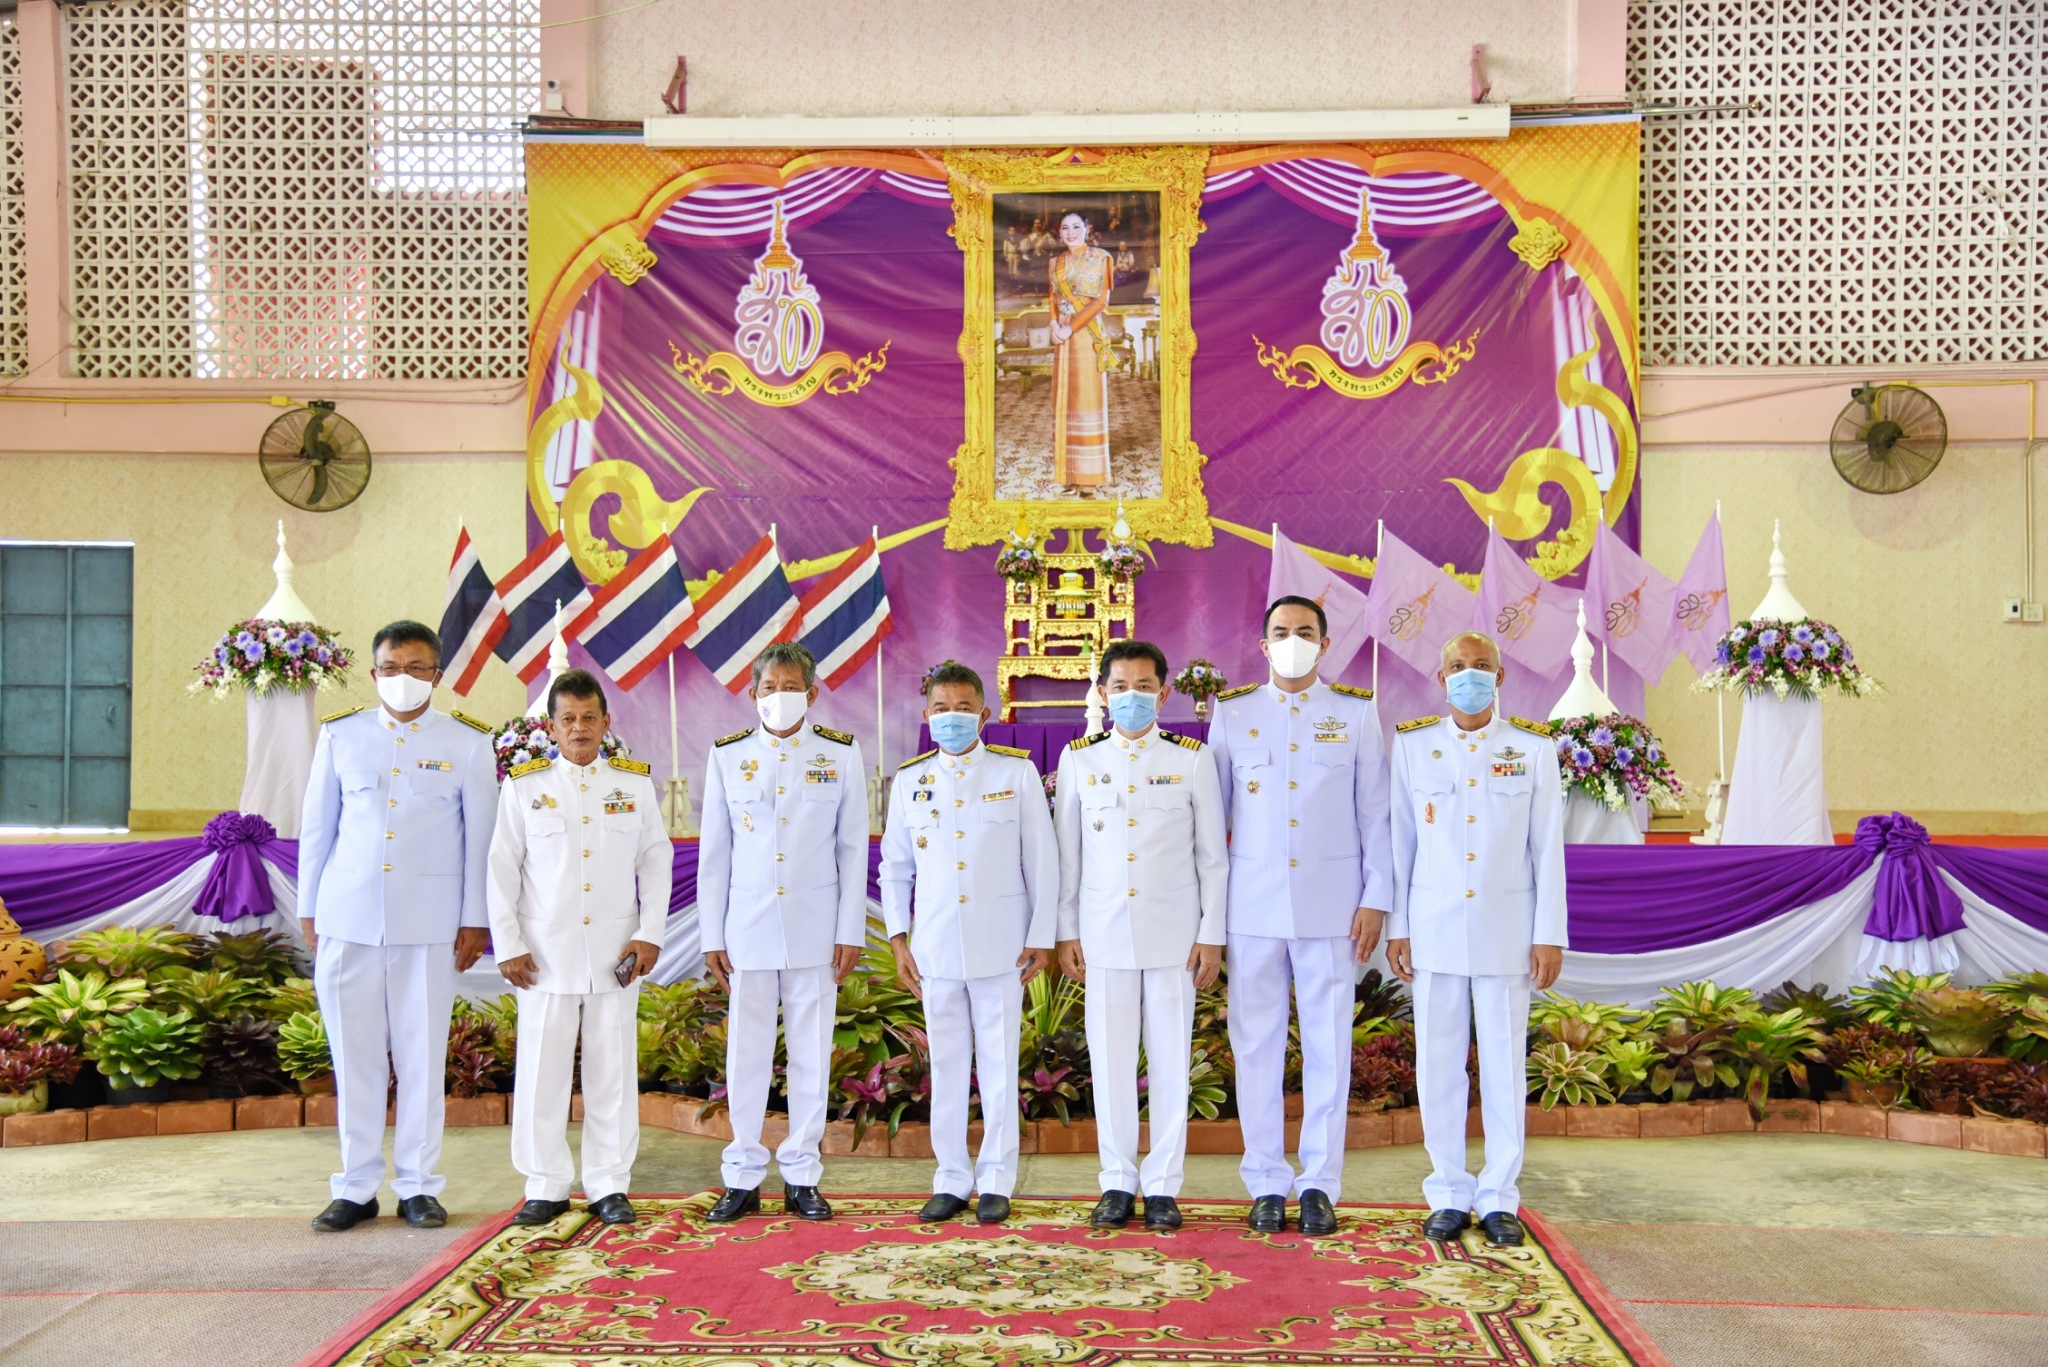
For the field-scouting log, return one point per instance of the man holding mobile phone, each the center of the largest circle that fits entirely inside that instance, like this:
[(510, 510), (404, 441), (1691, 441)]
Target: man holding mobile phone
[(579, 881)]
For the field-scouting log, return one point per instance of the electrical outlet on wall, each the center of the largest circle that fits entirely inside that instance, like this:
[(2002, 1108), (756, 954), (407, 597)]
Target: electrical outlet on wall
[(2030, 612), (2009, 608)]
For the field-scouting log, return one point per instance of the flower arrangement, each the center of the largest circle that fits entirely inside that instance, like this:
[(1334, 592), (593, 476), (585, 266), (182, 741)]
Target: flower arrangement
[(1199, 680), (529, 738), (1019, 562), (261, 656), (1120, 561), (1050, 781), (1791, 659), (1613, 758)]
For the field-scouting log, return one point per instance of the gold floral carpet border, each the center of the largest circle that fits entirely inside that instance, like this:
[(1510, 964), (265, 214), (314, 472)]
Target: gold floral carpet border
[(875, 1288)]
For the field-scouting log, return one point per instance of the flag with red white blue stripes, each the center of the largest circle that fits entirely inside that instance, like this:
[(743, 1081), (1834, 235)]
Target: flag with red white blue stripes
[(845, 615), (472, 620), (747, 610), (638, 618), (545, 578)]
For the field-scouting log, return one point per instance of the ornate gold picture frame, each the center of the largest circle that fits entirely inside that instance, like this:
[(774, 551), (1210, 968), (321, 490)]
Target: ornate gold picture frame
[(1168, 183)]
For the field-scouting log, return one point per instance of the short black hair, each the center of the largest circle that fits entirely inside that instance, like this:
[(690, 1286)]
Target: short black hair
[(953, 672), (1133, 650), (576, 683), (1295, 600), (402, 633)]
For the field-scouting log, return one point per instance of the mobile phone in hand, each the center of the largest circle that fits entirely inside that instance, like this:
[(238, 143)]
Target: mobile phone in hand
[(623, 970)]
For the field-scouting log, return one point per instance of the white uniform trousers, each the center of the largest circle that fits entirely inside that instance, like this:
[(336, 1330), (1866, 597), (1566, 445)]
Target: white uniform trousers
[(808, 998), (1320, 970), (549, 1023), (1119, 1003), (973, 1024), (1446, 1007), (386, 1008)]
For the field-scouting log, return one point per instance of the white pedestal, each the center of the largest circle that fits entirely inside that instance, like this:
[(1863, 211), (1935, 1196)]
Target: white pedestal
[(1587, 822), (1777, 795), (282, 729)]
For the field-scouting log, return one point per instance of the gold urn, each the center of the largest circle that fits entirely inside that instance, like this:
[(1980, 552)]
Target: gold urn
[(21, 959)]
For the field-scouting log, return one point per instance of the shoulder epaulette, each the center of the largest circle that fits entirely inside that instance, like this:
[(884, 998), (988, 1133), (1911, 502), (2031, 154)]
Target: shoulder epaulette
[(345, 712), (1083, 742), (632, 766), (1014, 752), (1417, 724), (1534, 728), (532, 766), (1184, 742), (1238, 692), (737, 735), (918, 759), (1352, 691), (468, 720), (842, 737)]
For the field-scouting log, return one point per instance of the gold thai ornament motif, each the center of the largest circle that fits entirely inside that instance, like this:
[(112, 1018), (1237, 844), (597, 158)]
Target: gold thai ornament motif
[(1406, 621), (629, 262)]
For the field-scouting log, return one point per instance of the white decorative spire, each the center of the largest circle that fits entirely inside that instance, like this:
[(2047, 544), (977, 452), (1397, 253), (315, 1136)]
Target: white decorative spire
[(1583, 698), (1093, 696), (285, 605), (1779, 602), (1121, 532), (558, 664)]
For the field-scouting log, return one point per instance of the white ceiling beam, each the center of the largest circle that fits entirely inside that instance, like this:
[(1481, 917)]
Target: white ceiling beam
[(1082, 130)]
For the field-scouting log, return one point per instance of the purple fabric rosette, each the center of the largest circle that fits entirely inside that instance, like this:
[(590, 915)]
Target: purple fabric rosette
[(238, 884), (1913, 902)]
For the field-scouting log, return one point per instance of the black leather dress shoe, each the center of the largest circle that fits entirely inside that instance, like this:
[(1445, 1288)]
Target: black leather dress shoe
[(1113, 1211), (1502, 1229), (1269, 1214), (992, 1209), (1162, 1212), (423, 1212), (944, 1205), (615, 1209), (1446, 1224), (1318, 1216), (341, 1215), (805, 1203), (540, 1212), (736, 1202)]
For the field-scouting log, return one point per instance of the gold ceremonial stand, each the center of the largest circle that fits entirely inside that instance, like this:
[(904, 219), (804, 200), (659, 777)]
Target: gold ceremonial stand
[(1058, 623)]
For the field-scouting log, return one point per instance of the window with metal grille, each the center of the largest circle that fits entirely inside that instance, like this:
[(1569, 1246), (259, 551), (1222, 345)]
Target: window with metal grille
[(1887, 204), (13, 194), (66, 636), (300, 188)]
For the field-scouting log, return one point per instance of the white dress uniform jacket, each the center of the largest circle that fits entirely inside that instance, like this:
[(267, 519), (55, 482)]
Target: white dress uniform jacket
[(1129, 812), (1305, 794), (783, 866), (1478, 824), (974, 833), (396, 828)]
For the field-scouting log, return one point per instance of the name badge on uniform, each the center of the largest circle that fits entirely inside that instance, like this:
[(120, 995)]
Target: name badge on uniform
[(1333, 735), (921, 795), (617, 803), (439, 766), (1162, 780), (1004, 795)]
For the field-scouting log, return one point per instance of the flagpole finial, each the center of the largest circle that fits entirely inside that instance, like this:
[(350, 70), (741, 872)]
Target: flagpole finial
[(1583, 697), (1779, 601)]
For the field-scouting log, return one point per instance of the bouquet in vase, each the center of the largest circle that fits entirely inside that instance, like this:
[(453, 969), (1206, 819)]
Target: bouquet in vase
[(1019, 563), (262, 656), (1200, 681), (1613, 758), (524, 739), (1121, 562), (1800, 659)]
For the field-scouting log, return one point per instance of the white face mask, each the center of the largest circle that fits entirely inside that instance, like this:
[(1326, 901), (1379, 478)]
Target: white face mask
[(404, 693), (1293, 656), (780, 711)]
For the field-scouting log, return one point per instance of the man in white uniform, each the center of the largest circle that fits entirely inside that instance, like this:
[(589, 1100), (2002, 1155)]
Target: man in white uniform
[(782, 881), (968, 822), (1478, 923), (1143, 883), (393, 839), (580, 873), (1304, 772)]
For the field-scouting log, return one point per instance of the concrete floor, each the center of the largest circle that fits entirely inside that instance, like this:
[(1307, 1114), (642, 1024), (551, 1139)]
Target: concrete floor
[(1758, 1250)]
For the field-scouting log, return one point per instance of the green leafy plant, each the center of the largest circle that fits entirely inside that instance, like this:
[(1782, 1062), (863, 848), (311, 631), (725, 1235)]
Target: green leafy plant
[(1206, 1094), (691, 1058), (302, 1047), (1043, 1093), (77, 1005), (1379, 995), (131, 951), (1580, 1024), (1629, 1060), (1946, 1086), (209, 994), (145, 1048), (1577, 1077), (268, 956), (1957, 1022), (1884, 1000), (2027, 1036), (27, 1065), (2015, 990), (1881, 1075), (1766, 1046), (474, 1064), (1688, 1057), (501, 1013), (870, 1004), (1863, 1039), (242, 1053), (1701, 1003), (290, 997), (1383, 1066), (870, 1091), (1212, 1025), (1830, 1010)]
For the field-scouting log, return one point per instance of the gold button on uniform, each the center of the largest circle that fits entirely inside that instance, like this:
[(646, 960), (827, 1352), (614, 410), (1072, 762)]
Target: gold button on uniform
[(1255, 733), (1292, 746), (586, 854), (1130, 821), (1131, 858), (1292, 784), (781, 789), (958, 803), (1468, 892), (963, 896), (1470, 819), (586, 887), (387, 868), (780, 857), (1133, 892), (394, 802), (1294, 863), (1133, 787), (1292, 822), (394, 772), (960, 864), (389, 834), (1471, 747), (778, 892), (1471, 783), (1470, 857), (586, 821), (586, 920)]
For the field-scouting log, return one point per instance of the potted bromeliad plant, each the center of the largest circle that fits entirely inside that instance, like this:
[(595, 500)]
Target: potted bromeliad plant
[(303, 1054), (144, 1051), (28, 1067)]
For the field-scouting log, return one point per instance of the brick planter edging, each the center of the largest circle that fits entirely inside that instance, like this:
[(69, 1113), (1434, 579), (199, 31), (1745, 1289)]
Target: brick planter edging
[(1370, 1130)]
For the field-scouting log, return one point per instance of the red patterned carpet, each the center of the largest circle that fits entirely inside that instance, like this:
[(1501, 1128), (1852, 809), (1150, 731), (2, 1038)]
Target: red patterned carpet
[(875, 1287)]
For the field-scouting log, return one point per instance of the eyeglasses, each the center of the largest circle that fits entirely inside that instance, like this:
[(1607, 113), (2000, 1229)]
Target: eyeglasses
[(417, 671)]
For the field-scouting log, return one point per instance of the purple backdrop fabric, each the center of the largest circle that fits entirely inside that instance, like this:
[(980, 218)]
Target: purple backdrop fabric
[(48, 885)]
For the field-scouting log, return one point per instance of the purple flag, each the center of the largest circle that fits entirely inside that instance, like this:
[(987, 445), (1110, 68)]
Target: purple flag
[(1699, 614), (1629, 605), (1529, 616), (1415, 606), (1295, 571)]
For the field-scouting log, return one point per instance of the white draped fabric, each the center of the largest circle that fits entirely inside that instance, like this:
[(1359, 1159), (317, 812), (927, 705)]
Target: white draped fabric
[(1778, 794), (1587, 822), (282, 730)]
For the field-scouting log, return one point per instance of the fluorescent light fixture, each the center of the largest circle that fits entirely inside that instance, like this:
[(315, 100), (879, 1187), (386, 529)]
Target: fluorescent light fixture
[(1081, 130), (21, 831), (16, 541)]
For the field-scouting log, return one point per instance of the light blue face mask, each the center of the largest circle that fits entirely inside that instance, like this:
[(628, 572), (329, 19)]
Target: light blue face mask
[(1470, 690), (954, 732), (1133, 711)]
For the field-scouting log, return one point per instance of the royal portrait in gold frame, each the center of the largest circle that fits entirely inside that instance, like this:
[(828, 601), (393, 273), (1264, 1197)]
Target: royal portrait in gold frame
[(1093, 211)]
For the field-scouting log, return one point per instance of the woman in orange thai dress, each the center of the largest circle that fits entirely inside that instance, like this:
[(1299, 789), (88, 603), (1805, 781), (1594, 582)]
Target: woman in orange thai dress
[(1082, 277)]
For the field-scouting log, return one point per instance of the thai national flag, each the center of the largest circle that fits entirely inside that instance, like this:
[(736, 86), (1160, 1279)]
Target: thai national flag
[(846, 614), (473, 619), (749, 609), (638, 619), (530, 592)]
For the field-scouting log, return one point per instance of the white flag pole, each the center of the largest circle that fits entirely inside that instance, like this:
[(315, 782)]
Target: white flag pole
[(1720, 695), (881, 735), (675, 744), (1379, 548)]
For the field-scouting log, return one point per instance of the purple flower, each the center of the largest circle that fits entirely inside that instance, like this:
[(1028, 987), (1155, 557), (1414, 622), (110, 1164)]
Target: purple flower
[(1769, 637), (1794, 655), (1582, 757), (1602, 736), (294, 647), (1847, 654), (1722, 653), (1624, 756), (1756, 655), (1739, 635), (521, 756), (1820, 650), (1833, 638), (275, 635), (243, 640), (255, 654), (1652, 753), (1803, 635)]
